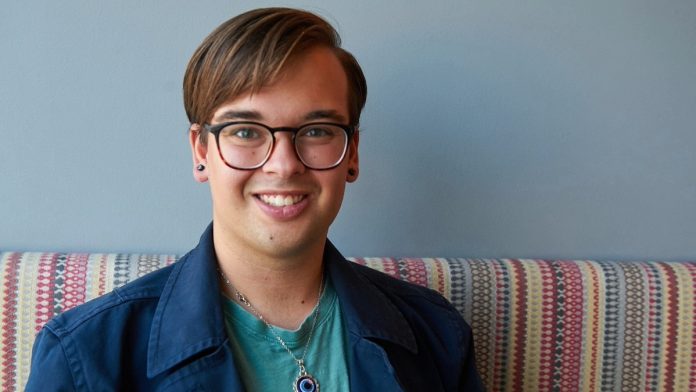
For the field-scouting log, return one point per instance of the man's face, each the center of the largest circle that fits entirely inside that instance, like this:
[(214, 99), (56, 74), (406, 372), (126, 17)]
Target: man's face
[(247, 211)]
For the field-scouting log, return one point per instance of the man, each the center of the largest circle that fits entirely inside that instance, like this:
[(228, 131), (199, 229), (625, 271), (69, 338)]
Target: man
[(265, 302)]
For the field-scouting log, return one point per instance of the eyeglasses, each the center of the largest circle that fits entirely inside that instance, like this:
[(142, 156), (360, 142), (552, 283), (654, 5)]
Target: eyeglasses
[(246, 145)]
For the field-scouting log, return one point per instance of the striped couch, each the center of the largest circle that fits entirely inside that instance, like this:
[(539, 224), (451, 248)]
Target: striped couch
[(539, 325)]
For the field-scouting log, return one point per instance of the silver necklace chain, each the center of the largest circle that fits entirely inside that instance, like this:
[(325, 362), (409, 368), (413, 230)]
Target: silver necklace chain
[(299, 361)]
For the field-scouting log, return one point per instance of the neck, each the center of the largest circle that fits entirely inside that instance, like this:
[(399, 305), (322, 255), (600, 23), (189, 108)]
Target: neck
[(282, 288)]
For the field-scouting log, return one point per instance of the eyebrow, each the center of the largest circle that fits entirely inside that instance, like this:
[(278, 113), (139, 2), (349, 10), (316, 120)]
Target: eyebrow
[(325, 114), (253, 115), (240, 115)]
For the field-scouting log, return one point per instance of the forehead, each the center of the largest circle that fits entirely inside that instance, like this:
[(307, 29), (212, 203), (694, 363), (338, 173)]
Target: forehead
[(309, 84)]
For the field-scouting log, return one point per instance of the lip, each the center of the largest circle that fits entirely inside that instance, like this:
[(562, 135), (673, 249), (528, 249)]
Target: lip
[(286, 212)]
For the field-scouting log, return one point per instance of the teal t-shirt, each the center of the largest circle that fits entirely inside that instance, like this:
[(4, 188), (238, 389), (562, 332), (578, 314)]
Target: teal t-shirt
[(263, 363)]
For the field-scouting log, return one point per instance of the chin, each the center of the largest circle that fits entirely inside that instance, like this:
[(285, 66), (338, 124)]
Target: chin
[(296, 243)]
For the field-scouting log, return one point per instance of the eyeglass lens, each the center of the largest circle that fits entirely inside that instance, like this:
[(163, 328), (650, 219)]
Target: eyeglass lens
[(247, 146)]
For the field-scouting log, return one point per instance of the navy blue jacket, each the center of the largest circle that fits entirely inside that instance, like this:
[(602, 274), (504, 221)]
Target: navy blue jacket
[(165, 331)]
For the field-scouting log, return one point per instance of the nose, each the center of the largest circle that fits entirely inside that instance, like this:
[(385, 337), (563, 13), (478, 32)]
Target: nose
[(284, 160)]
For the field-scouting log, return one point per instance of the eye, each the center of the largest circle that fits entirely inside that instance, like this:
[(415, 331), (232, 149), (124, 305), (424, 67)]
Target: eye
[(316, 132), (319, 131), (242, 132), (246, 133)]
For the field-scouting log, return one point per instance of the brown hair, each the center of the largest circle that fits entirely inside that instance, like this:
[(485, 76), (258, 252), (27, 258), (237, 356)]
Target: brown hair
[(249, 51)]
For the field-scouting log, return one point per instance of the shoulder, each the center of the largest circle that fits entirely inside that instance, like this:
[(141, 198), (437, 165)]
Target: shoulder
[(442, 341), (112, 329), (121, 301), (414, 294), (423, 307)]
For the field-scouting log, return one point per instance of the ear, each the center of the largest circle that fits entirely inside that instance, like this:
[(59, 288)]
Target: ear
[(353, 161), (199, 153)]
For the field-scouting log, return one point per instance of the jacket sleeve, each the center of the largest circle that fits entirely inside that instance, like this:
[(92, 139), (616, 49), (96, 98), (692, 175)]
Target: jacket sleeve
[(50, 368)]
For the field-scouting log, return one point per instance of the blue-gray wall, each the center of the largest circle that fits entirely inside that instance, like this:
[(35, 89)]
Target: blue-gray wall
[(564, 129)]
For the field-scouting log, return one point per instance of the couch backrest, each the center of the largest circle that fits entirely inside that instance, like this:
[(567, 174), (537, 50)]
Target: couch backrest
[(539, 325)]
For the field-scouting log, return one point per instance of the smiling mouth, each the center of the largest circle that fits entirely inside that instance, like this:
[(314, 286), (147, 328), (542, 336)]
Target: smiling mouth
[(281, 200)]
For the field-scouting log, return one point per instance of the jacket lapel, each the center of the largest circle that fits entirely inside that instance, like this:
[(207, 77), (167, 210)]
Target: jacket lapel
[(189, 322), (370, 317)]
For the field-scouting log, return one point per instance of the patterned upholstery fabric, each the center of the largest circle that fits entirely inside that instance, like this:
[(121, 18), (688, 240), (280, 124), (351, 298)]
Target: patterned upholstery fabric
[(539, 325)]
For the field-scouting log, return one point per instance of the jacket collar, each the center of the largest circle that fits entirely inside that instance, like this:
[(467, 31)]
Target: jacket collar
[(189, 319), (367, 310)]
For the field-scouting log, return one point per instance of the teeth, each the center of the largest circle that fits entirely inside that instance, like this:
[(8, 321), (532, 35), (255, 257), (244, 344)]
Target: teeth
[(281, 201)]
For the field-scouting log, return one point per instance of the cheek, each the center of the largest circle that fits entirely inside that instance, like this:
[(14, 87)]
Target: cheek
[(226, 182), (335, 186)]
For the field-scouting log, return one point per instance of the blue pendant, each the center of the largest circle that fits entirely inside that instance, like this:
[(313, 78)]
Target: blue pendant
[(306, 383)]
